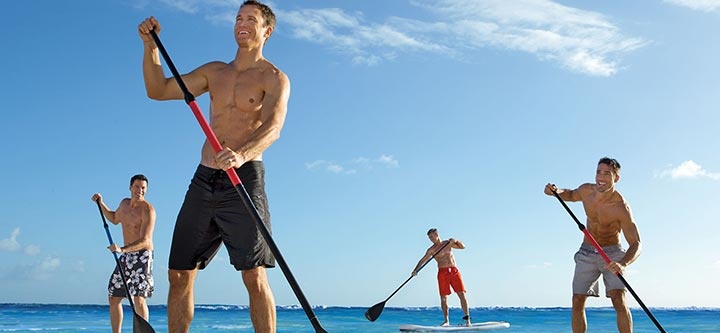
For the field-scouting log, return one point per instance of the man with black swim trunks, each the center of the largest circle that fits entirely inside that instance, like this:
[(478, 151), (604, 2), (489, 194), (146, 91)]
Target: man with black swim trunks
[(248, 104), (136, 216)]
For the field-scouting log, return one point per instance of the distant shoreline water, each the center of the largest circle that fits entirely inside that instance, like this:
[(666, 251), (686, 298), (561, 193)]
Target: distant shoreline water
[(37, 317)]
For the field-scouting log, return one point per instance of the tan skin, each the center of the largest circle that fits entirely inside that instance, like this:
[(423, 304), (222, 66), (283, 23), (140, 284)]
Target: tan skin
[(607, 216), (248, 105), (444, 258), (137, 219)]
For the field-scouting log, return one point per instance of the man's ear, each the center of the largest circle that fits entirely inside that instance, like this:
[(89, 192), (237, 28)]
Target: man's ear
[(617, 178), (268, 32)]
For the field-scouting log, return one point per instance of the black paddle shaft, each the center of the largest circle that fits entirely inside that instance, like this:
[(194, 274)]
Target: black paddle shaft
[(607, 259), (419, 269), (374, 311), (244, 196), (140, 325)]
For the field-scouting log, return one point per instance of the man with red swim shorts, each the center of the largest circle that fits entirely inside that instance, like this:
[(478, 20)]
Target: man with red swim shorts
[(448, 274)]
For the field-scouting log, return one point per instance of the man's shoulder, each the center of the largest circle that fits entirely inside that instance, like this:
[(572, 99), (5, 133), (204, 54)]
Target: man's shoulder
[(213, 66), (273, 72), (586, 188)]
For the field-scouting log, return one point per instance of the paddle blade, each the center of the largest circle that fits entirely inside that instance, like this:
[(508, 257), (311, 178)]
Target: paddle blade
[(374, 312), (140, 325)]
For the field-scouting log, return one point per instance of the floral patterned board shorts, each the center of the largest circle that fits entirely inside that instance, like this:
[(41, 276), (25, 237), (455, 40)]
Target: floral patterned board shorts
[(138, 275)]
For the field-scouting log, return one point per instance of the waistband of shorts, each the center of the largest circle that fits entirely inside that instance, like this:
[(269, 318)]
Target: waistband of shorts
[(139, 252), (448, 269), (609, 248), (208, 170)]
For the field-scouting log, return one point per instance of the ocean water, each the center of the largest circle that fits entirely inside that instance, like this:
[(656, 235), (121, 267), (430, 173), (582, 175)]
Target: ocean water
[(228, 318)]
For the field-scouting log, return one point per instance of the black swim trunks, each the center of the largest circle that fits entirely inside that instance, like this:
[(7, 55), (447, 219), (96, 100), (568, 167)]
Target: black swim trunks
[(138, 275), (213, 213)]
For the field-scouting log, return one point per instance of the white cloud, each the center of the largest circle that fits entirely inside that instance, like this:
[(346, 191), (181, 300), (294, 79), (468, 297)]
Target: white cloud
[(40, 270), (544, 265), (351, 167), (389, 161), (581, 41), (331, 167), (10, 244), (578, 40), (688, 169), (32, 250), (703, 5)]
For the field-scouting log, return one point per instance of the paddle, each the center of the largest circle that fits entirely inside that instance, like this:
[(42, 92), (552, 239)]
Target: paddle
[(374, 312), (190, 100), (140, 325), (607, 260)]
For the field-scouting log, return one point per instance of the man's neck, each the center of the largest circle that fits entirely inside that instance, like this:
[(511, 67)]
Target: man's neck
[(247, 58), (606, 196), (134, 201)]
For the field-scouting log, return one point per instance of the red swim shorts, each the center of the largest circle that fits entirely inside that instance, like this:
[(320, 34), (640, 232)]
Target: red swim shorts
[(447, 277)]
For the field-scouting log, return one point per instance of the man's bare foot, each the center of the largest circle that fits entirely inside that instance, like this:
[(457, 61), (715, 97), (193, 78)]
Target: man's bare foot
[(445, 324), (467, 320)]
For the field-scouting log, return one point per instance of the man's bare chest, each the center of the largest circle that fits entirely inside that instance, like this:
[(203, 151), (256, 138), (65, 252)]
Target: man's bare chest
[(236, 92)]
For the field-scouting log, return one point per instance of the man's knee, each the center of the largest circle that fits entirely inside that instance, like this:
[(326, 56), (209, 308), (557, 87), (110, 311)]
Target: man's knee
[(180, 278), (578, 301), (255, 279), (139, 300), (114, 300), (617, 296)]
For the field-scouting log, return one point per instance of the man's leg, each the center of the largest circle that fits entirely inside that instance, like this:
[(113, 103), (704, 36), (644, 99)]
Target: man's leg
[(444, 307), (465, 308), (116, 313), (180, 307), (624, 317), (262, 301), (579, 322), (141, 307)]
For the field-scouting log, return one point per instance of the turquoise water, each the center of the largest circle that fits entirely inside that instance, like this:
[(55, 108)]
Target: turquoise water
[(228, 318)]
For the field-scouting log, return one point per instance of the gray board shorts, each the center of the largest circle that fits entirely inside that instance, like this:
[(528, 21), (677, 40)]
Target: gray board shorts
[(589, 265)]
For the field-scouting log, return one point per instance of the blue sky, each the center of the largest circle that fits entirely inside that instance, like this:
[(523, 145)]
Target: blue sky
[(415, 114)]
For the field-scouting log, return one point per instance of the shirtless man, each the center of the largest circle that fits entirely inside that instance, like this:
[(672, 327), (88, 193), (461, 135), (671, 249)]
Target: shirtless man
[(248, 104), (136, 216), (448, 274), (607, 215)]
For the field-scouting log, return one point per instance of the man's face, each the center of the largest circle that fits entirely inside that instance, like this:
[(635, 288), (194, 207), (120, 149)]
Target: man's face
[(138, 189), (605, 178), (434, 237), (250, 26)]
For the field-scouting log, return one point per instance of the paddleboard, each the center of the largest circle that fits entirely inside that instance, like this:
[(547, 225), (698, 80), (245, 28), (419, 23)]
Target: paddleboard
[(486, 326)]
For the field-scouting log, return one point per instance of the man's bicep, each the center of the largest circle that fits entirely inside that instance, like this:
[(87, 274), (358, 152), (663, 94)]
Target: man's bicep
[(148, 223), (277, 97), (629, 228)]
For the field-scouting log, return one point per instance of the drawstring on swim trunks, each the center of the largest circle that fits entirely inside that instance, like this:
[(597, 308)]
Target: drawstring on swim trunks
[(216, 175)]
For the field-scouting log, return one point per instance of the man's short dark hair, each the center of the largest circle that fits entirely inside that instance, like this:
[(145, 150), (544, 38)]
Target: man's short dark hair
[(267, 13), (431, 231), (138, 177), (612, 163)]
